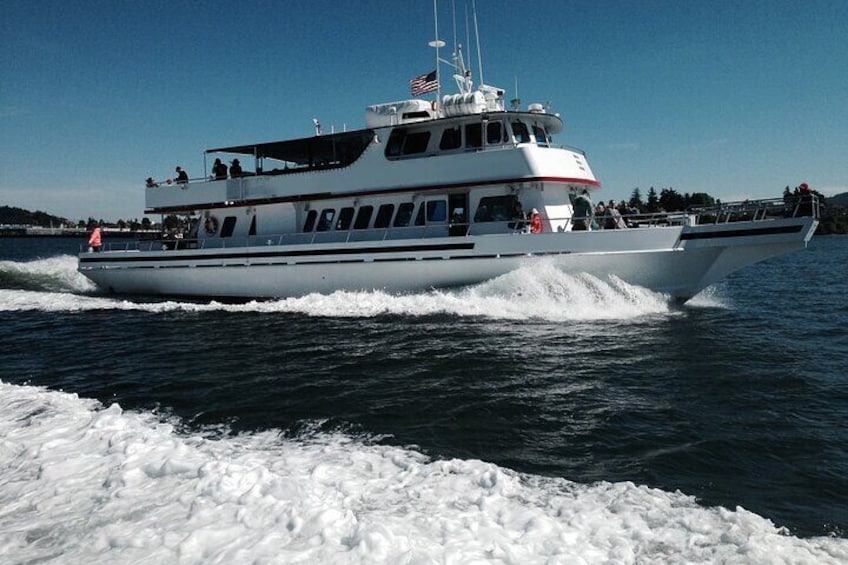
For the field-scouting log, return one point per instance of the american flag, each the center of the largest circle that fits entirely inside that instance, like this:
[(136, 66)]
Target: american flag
[(424, 83)]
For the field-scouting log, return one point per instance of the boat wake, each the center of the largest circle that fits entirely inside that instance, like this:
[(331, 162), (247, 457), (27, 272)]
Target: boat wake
[(98, 484), (541, 293), (55, 274)]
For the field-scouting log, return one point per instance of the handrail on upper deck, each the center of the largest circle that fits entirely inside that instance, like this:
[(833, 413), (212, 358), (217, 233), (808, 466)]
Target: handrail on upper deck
[(792, 207)]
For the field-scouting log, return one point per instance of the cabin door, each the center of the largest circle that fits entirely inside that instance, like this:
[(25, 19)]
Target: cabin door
[(458, 204)]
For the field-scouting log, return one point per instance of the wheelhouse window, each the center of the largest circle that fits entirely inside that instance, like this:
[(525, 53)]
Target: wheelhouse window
[(363, 217), (495, 208), (404, 214), (519, 130), (404, 142), (540, 135), (384, 216), (416, 142), (395, 142), (326, 221), (228, 226), (345, 218), (494, 133), (473, 136), (309, 224), (451, 139)]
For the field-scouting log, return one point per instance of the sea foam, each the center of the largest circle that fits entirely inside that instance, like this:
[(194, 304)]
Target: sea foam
[(541, 292), (84, 483), (51, 274)]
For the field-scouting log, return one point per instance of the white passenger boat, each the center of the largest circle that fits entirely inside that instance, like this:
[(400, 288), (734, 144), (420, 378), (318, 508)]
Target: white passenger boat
[(422, 198)]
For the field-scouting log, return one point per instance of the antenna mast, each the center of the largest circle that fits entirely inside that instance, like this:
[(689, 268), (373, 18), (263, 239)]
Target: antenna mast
[(461, 75), (477, 34), (436, 43), (453, 15)]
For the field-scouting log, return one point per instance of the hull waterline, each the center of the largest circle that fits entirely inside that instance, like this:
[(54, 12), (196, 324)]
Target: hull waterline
[(664, 262)]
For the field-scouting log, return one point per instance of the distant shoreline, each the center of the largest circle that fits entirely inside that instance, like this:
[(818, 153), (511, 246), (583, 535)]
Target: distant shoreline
[(34, 231)]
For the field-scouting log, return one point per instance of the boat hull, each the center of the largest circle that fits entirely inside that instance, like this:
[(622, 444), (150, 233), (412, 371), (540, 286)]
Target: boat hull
[(678, 260)]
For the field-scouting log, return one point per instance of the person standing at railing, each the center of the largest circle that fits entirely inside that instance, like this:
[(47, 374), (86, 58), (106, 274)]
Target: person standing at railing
[(583, 211), (788, 203), (535, 221), (600, 212), (518, 216), (219, 170), (182, 176), (805, 204), (612, 218), (235, 169), (94, 243)]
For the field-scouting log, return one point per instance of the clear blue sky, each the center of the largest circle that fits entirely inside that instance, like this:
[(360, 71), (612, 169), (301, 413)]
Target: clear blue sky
[(736, 98)]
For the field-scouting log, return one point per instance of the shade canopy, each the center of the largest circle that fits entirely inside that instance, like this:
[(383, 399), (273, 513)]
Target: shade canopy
[(336, 148)]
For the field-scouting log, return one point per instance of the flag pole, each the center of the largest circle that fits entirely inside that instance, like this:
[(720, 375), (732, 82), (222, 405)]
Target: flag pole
[(437, 42)]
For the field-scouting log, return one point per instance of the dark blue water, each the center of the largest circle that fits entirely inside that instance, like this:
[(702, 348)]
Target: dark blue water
[(739, 398)]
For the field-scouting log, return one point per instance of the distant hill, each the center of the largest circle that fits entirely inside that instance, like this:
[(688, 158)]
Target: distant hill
[(19, 216), (838, 200)]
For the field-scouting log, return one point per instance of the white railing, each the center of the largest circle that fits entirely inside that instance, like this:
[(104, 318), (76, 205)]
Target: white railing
[(748, 210)]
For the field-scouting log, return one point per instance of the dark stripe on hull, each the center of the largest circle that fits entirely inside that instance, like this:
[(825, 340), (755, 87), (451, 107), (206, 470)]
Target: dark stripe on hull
[(741, 233), (167, 256)]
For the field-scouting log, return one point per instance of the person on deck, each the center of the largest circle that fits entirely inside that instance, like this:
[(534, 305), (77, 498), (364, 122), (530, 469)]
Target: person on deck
[(219, 170), (612, 218), (583, 211), (805, 200), (235, 169), (182, 176), (518, 216), (535, 221), (94, 242)]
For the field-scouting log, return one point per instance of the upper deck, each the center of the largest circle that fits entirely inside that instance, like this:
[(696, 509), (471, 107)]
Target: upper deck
[(465, 150)]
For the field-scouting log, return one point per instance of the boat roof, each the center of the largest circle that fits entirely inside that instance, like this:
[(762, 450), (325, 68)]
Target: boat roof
[(302, 151)]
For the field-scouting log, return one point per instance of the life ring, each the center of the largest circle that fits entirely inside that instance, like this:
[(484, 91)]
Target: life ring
[(211, 225)]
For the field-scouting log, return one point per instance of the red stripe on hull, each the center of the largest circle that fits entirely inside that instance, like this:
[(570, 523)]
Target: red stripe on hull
[(330, 195)]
